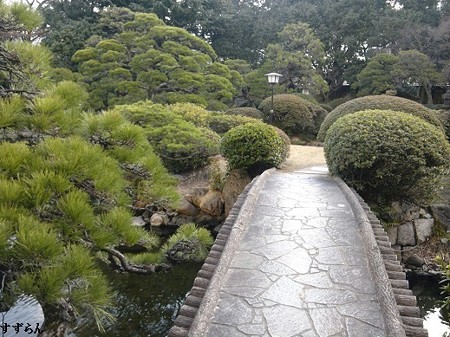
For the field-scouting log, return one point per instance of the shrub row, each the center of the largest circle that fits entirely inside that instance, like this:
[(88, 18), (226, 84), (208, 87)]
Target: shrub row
[(294, 115), (387, 155), (382, 102)]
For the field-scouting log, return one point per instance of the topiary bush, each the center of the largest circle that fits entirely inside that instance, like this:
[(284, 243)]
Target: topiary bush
[(182, 146), (146, 113), (254, 147), (216, 121), (294, 115), (382, 102), (245, 111), (221, 123), (387, 155), (286, 142), (444, 117)]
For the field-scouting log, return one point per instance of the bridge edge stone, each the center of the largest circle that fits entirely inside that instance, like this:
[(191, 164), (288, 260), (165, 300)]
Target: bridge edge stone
[(398, 295), (392, 319), (231, 232)]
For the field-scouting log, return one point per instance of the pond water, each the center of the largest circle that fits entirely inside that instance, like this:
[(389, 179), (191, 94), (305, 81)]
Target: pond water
[(145, 304), (24, 318), (429, 300)]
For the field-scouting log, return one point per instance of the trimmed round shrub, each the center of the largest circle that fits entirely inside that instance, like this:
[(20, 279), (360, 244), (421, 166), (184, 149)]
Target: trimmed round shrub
[(444, 117), (293, 114), (221, 123), (182, 146), (245, 111), (216, 121), (381, 102), (387, 155), (286, 142), (254, 147)]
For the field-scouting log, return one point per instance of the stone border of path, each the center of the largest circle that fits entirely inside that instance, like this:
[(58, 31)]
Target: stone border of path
[(399, 305), (401, 314), (197, 309), (396, 295)]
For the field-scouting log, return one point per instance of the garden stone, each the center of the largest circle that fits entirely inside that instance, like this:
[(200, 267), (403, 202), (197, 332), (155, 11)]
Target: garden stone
[(395, 211), (415, 261), (138, 221), (233, 187), (159, 219), (195, 198), (392, 233), (181, 220), (186, 208), (423, 229), (406, 234), (441, 213), (212, 203)]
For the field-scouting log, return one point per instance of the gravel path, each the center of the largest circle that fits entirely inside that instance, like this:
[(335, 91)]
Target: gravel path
[(303, 156)]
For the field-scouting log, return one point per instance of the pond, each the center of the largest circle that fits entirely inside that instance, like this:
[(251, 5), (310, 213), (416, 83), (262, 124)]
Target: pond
[(145, 304), (429, 300)]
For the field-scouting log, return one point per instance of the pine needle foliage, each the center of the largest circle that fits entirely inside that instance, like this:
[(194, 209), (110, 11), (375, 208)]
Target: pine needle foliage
[(71, 94), (199, 237), (6, 232), (14, 157), (11, 192), (41, 186), (66, 198), (35, 244), (72, 278), (128, 144), (146, 258), (83, 162), (118, 221), (76, 209), (12, 111)]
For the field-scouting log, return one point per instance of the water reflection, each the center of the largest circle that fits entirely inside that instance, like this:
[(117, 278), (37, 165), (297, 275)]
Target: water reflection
[(145, 304), (24, 318), (429, 300)]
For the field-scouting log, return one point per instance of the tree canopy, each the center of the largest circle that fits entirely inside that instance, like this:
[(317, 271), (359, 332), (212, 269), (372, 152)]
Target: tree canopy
[(147, 59)]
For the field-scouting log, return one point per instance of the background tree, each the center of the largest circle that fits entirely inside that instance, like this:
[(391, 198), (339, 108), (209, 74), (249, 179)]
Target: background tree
[(23, 64), (414, 68), (147, 59), (69, 24), (377, 77), (298, 57)]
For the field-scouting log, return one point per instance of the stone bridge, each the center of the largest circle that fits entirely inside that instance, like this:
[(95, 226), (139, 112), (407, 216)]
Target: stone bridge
[(300, 255)]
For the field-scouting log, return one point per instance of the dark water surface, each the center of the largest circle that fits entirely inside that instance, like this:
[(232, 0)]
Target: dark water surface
[(429, 300), (24, 318), (145, 304)]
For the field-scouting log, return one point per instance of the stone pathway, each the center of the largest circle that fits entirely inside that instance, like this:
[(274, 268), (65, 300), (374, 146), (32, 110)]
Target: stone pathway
[(300, 268)]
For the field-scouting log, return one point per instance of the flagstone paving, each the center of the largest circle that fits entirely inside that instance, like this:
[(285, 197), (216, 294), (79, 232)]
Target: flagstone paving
[(300, 268)]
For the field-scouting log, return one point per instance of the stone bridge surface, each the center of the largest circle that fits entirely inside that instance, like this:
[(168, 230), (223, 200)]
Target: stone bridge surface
[(300, 259)]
